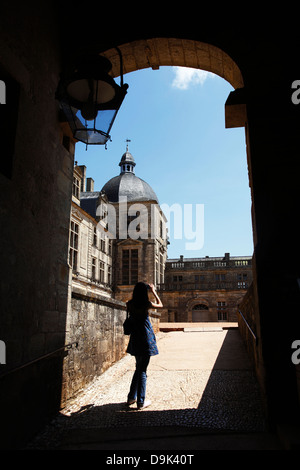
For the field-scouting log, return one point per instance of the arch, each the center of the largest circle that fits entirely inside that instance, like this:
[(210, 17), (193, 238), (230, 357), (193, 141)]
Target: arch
[(157, 52), (192, 303), (195, 314), (199, 307)]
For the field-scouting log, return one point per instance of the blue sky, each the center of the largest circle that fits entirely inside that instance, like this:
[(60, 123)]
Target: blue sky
[(175, 120)]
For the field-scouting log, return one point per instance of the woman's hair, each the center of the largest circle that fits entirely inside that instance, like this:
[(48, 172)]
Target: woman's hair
[(140, 295)]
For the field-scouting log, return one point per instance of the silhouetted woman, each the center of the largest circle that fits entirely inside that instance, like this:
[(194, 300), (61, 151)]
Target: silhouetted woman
[(142, 343)]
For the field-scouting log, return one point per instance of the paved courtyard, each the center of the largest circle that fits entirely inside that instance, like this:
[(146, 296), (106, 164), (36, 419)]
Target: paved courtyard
[(201, 383)]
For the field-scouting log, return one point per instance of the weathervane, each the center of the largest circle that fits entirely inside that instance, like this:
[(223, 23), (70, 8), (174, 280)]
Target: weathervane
[(127, 140)]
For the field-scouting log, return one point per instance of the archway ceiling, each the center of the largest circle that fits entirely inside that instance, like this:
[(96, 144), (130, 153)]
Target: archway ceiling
[(158, 52)]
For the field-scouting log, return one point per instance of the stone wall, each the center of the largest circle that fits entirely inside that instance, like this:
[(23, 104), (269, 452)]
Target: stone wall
[(34, 218), (96, 323), (248, 322)]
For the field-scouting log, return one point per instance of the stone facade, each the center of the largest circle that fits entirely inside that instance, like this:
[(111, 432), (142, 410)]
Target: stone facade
[(150, 252), (90, 246), (205, 289)]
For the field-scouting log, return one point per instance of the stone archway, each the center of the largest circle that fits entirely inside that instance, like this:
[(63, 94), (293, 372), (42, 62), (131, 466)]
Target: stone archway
[(271, 128), (197, 309), (157, 52)]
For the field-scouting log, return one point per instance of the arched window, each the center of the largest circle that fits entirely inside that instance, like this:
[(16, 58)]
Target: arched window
[(200, 307)]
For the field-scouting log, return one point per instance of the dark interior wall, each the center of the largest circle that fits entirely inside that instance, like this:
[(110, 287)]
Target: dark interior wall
[(34, 219)]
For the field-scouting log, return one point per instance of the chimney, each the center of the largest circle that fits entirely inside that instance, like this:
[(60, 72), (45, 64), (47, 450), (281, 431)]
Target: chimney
[(90, 184), (83, 181)]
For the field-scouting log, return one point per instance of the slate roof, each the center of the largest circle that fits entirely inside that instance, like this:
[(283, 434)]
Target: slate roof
[(128, 185), (89, 202)]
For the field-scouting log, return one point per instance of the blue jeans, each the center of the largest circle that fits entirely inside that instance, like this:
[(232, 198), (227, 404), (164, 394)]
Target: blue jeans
[(138, 384)]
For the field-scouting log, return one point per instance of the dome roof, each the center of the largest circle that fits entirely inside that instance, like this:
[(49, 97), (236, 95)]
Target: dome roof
[(127, 184), (130, 186)]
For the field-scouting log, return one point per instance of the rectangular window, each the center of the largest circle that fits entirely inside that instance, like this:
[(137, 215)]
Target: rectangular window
[(73, 250), (95, 236), (76, 187), (102, 245), (222, 313), (130, 265), (93, 268), (222, 316), (241, 277), (161, 268), (101, 271), (109, 276)]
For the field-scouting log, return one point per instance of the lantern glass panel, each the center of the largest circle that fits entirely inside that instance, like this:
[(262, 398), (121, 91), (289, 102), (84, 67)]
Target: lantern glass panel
[(88, 132), (91, 136)]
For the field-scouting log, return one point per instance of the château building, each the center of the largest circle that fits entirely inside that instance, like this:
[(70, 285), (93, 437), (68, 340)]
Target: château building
[(118, 235), (205, 289)]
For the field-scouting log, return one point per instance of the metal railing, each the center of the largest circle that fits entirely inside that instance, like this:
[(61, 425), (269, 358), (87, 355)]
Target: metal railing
[(249, 327), (52, 353)]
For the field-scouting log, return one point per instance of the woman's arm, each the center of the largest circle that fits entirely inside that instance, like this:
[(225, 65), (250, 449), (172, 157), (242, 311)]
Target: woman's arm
[(159, 302)]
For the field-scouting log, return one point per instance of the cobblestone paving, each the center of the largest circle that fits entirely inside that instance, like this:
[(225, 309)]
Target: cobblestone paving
[(207, 398)]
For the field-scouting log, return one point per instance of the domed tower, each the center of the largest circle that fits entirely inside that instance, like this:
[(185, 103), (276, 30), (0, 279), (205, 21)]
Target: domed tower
[(127, 184), (141, 241)]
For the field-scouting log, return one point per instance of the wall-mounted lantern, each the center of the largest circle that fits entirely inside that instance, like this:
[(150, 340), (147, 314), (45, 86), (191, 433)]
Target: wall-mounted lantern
[(91, 99)]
